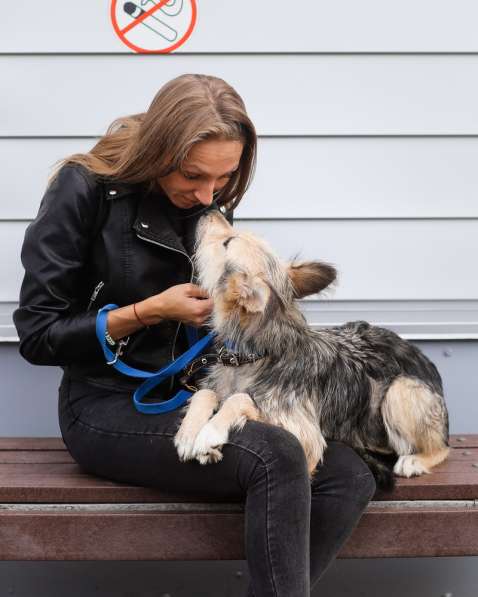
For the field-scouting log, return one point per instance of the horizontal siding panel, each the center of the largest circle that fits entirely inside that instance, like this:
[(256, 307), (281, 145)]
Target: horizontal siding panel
[(230, 26), (8, 332), (24, 193), (385, 260), (301, 94), (433, 320), (411, 319), (377, 260), (364, 178), (319, 177)]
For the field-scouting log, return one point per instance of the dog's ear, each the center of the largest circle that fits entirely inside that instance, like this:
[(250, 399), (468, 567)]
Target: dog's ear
[(249, 292), (311, 277)]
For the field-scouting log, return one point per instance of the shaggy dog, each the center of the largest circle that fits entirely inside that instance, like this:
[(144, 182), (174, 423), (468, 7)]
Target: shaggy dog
[(356, 383)]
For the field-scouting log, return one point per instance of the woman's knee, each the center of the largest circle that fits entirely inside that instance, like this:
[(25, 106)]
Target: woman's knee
[(344, 469), (273, 446)]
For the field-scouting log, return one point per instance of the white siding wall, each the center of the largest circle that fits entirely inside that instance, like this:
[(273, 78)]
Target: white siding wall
[(368, 121)]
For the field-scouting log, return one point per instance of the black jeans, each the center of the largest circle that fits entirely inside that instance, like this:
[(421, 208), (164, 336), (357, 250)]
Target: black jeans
[(293, 528)]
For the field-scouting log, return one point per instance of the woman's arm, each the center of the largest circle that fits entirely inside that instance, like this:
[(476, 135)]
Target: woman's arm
[(51, 328)]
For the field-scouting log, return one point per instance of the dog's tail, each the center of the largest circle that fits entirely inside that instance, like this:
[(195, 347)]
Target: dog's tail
[(381, 467)]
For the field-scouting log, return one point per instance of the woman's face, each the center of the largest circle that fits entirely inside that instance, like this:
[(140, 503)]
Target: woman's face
[(208, 168)]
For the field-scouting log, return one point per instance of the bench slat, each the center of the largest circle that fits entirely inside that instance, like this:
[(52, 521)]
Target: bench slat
[(67, 469), (453, 465), (56, 443), (414, 533), (34, 456), (32, 443), (460, 453), (220, 536), (36, 470), (87, 490), (464, 441)]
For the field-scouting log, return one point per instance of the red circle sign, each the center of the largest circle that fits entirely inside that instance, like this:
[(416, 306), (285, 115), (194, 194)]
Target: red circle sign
[(166, 19)]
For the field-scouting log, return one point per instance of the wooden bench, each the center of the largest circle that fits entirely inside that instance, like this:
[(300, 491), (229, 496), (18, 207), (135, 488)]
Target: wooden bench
[(51, 510)]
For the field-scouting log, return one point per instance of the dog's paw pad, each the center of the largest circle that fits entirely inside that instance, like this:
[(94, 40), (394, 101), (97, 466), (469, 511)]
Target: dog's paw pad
[(214, 455)]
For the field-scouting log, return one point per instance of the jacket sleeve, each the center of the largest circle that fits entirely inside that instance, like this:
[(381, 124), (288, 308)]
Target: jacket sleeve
[(53, 328)]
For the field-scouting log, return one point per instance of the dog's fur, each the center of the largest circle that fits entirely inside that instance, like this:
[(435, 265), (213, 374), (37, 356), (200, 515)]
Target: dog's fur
[(356, 383)]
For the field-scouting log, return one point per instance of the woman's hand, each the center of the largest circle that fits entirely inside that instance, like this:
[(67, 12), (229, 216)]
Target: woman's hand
[(187, 303)]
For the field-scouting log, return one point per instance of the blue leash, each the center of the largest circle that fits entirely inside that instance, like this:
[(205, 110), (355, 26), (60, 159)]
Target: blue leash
[(153, 379)]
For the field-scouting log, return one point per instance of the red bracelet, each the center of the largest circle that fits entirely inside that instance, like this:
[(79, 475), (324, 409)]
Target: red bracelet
[(138, 317)]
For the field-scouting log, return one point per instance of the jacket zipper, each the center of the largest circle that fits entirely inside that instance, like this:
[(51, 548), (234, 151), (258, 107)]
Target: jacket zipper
[(154, 242), (95, 293), (122, 342)]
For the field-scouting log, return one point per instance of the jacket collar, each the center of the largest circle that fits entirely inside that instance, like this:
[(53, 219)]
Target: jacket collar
[(117, 190), (152, 222)]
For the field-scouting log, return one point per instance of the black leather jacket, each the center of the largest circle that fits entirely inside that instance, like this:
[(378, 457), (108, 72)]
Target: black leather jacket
[(95, 242)]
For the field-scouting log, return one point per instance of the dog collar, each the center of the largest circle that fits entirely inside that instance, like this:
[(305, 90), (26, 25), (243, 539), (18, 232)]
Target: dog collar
[(224, 356)]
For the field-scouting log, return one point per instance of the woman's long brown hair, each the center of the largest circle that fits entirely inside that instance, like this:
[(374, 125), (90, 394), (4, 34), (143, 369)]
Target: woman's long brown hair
[(141, 148)]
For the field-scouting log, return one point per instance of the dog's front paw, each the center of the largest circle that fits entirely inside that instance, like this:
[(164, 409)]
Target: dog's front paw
[(409, 465), (184, 443), (208, 444)]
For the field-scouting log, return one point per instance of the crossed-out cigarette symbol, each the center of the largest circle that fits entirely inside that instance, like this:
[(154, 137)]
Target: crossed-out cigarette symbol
[(153, 26), (152, 22)]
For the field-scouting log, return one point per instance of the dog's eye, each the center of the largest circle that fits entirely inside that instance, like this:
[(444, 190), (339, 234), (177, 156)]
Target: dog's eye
[(227, 241)]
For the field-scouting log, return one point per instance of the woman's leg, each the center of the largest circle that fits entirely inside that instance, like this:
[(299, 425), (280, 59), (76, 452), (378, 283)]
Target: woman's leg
[(341, 490), (277, 525), (262, 464), (342, 487)]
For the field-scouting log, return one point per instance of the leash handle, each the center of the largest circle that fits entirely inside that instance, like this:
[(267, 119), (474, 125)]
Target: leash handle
[(152, 378), (111, 357)]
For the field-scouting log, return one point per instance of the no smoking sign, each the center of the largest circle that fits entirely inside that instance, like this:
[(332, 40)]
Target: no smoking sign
[(153, 26)]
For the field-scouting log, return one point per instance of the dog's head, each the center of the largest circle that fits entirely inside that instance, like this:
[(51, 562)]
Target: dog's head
[(243, 275)]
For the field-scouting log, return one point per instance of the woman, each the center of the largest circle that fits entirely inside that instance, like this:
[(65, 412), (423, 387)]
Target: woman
[(116, 225)]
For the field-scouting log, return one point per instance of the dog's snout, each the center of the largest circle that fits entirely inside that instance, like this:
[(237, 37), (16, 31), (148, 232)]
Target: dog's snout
[(219, 219), (213, 222)]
